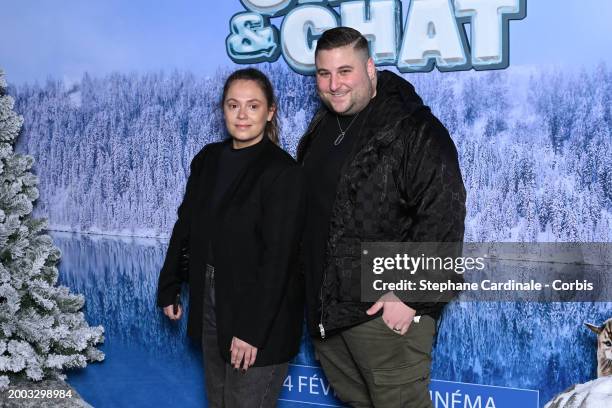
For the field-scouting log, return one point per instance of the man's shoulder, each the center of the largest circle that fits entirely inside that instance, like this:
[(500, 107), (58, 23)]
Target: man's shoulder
[(396, 101), (309, 133), (405, 127), (423, 119), (423, 132)]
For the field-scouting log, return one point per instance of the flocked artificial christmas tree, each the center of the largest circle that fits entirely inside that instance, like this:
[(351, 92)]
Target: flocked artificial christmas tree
[(42, 330)]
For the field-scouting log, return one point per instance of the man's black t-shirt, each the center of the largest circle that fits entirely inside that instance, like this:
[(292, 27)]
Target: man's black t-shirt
[(322, 167)]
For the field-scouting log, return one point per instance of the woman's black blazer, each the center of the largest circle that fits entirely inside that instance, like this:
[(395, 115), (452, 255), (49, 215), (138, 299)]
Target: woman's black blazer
[(255, 236)]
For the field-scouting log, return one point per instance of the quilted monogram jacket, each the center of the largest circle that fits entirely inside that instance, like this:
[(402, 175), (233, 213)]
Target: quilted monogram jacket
[(401, 182)]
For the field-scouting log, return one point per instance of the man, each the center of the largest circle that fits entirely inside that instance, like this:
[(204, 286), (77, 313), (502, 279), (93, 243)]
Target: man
[(378, 167)]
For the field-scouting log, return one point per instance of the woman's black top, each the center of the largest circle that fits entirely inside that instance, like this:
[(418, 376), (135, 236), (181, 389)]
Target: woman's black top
[(252, 224), (231, 162)]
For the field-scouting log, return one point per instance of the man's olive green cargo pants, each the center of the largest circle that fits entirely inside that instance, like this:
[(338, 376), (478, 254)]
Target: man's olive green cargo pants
[(369, 365)]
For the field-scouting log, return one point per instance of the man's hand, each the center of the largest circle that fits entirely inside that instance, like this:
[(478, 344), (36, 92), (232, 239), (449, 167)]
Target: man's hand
[(168, 311), (396, 315), (242, 353)]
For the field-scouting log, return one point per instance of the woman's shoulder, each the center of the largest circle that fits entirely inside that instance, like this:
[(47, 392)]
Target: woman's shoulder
[(281, 169), (208, 149), (280, 157)]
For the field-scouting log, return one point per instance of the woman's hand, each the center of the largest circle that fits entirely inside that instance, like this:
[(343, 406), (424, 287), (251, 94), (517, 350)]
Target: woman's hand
[(242, 353), (169, 311)]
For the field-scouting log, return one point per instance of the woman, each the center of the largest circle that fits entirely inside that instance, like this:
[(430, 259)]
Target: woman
[(237, 230)]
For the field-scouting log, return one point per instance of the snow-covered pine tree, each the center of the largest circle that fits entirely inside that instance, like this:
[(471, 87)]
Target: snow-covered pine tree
[(42, 330)]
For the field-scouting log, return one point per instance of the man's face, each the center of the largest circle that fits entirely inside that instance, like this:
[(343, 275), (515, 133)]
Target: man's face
[(346, 79)]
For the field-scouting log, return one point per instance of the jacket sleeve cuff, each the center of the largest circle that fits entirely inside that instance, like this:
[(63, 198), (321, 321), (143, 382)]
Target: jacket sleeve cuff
[(166, 296)]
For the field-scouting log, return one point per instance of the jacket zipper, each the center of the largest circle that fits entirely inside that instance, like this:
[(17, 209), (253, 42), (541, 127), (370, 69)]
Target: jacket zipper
[(321, 328), (309, 131)]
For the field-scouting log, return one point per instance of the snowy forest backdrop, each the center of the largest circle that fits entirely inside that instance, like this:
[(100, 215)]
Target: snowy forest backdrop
[(113, 153)]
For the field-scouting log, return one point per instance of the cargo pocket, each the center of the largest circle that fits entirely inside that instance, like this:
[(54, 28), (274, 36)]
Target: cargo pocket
[(402, 375), (404, 387), (419, 338)]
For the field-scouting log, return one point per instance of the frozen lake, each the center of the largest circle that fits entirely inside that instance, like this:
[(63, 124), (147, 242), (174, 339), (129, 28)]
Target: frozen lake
[(149, 361)]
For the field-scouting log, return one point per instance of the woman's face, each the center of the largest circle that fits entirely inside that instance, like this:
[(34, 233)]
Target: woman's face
[(246, 112)]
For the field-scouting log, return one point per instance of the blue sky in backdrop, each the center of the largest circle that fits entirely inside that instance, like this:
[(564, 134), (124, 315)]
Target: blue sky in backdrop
[(41, 39)]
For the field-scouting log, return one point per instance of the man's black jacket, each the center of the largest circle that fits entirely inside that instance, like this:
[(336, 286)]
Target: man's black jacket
[(255, 236), (401, 182)]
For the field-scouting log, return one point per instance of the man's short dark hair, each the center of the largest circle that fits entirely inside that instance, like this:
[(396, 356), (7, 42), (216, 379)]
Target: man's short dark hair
[(341, 37)]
